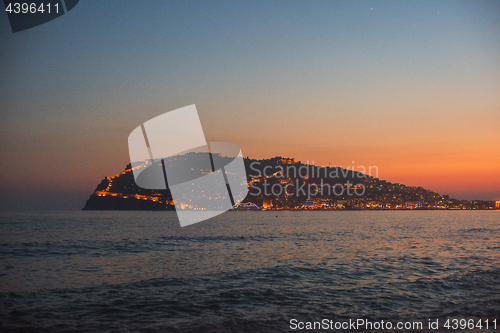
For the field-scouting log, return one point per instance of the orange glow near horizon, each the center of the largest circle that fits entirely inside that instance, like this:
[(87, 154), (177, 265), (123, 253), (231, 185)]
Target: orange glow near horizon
[(409, 87), (464, 171)]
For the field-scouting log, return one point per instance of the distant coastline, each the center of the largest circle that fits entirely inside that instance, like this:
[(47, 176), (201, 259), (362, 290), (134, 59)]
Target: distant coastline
[(273, 187)]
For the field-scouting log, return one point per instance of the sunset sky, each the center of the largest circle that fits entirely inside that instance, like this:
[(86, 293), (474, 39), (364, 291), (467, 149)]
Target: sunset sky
[(412, 87)]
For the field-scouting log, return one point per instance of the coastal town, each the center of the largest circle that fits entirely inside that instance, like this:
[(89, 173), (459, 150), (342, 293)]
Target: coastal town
[(285, 184)]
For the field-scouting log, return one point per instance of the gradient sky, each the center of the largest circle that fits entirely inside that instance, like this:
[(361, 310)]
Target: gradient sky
[(412, 87)]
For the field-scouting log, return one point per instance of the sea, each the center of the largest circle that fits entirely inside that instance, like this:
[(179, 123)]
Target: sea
[(250, 271)]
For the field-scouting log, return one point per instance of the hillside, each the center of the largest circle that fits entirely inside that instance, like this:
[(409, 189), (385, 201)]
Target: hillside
[(282, 183)]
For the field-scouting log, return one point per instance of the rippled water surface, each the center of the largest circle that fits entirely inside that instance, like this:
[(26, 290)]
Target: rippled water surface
[(244, 271)]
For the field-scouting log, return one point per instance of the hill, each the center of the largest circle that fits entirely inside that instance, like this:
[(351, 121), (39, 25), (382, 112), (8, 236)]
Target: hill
[(283, 183)]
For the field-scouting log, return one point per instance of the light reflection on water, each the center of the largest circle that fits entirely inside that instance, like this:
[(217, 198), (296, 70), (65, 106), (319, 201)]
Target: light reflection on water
[(376, 264)]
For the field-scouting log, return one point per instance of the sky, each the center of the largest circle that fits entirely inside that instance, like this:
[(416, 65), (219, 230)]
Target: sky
[(412, 87)]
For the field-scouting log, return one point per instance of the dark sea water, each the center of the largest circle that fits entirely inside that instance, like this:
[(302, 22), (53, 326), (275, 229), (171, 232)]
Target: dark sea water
[(246, 271)]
